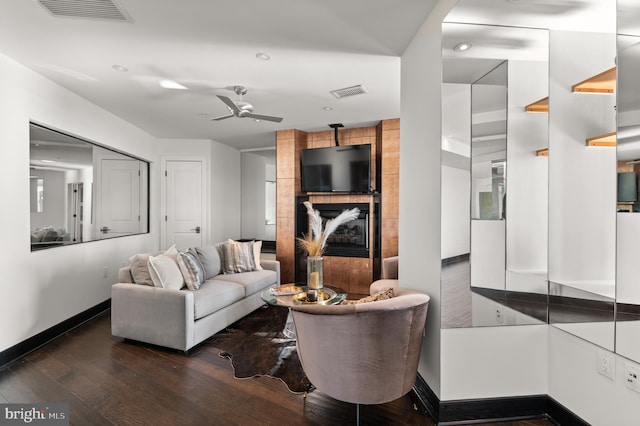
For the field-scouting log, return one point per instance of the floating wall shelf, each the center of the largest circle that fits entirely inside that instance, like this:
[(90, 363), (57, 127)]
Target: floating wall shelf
[(541, 105), (605, 82), (544, 152), (608, 139)]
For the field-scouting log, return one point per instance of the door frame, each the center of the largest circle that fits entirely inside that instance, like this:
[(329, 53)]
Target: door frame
[(206, 208)]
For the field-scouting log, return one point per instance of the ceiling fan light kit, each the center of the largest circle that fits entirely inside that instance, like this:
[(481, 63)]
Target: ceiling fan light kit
[(241, 109)]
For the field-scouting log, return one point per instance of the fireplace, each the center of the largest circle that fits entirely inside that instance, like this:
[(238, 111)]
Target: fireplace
[(350, 239), (354, 239)]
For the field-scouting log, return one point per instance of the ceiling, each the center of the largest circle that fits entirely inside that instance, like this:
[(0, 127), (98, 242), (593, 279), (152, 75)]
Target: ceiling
[(209, 46)]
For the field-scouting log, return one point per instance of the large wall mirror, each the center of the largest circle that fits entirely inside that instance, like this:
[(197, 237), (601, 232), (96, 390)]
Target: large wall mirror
[(582, 173), (494, 182), (628, 169), (81, 191), (584, 126)]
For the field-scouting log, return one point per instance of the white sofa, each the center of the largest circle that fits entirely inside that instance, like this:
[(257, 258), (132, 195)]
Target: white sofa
[(180, 319)]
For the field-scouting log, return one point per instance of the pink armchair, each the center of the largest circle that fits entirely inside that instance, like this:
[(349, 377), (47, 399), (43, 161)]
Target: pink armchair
[(365, 353)]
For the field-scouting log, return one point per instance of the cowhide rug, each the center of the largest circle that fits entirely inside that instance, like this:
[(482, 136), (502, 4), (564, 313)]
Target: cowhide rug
[(256, 347)]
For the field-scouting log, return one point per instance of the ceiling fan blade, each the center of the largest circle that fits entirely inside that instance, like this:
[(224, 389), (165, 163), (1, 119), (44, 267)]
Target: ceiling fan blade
[(222, 117), (264, 117), (228, 102)]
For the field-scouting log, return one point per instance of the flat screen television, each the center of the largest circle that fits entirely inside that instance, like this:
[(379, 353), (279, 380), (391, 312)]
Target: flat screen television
[(337, 169)]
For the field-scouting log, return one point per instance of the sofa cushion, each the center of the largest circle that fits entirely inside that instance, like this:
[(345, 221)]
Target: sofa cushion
[(253, 281), (139, 265), (214, 295), (210, 259), (191, 269), (237, 257)]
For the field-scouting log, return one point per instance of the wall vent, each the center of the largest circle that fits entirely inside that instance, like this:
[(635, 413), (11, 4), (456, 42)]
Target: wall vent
[(348, 91), (86, 9)]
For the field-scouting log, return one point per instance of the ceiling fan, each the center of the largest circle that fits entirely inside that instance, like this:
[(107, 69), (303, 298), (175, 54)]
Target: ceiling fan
[(242, 109)]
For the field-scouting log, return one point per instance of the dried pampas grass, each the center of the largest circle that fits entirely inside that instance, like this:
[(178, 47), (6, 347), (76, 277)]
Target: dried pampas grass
[(314, 243)]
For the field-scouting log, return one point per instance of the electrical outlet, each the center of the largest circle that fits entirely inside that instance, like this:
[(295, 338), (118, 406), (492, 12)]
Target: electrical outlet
[(631, 376), (105, 272), (606, 364)]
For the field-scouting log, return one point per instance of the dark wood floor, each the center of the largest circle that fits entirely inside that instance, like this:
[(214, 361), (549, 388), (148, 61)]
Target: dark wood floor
[(109, 381)]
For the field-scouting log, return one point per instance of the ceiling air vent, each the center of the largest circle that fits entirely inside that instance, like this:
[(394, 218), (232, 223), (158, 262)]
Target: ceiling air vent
[(348, 91), (86, 9)]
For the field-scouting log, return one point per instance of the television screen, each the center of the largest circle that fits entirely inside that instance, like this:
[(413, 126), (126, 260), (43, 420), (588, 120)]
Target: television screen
[(337, 169), (627, 187)]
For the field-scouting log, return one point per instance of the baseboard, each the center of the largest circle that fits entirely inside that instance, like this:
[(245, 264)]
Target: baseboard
[(562, 416), (491, 409), (21, 349)]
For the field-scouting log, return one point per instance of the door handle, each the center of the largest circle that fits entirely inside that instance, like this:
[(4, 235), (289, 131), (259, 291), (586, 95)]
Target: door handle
[(105, 230), (197, 229)]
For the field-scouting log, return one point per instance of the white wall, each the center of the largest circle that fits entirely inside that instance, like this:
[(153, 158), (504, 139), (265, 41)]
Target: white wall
[(253, 195), (575, 383), (420, 146), (488, 362), (455, 212), (41, 289), (225, 192)]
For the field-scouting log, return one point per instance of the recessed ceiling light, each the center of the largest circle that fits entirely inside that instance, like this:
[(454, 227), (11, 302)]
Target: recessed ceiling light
[(257, 120), (48, 161), (170, 84), (120, 68), (262, 56), (461, 47), (327, 108)]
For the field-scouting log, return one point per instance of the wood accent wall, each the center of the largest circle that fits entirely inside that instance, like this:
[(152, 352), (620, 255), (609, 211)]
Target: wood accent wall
[(289, 143), (390, 185), (352, 274)]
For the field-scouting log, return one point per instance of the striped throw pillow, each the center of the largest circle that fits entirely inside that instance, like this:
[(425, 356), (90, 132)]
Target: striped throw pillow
[(238, 257)]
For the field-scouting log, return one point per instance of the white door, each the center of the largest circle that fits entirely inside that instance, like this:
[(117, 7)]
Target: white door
[(119, 198), (184, 204)]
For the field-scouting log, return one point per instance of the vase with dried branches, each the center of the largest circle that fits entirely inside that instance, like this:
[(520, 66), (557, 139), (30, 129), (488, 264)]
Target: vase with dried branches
[(315, 242)]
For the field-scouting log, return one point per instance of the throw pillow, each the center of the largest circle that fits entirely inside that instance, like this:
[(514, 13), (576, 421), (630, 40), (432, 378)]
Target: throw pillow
[(257, 249), (139, 267), (165, 272), (191, 269), (209, 257), (381, 295), (237, 257)]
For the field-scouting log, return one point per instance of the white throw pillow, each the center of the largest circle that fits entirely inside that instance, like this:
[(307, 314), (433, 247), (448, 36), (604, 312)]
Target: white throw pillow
[(165, 272)]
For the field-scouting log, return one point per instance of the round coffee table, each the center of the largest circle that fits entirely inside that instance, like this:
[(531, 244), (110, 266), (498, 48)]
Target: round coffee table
[(332, 296)]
